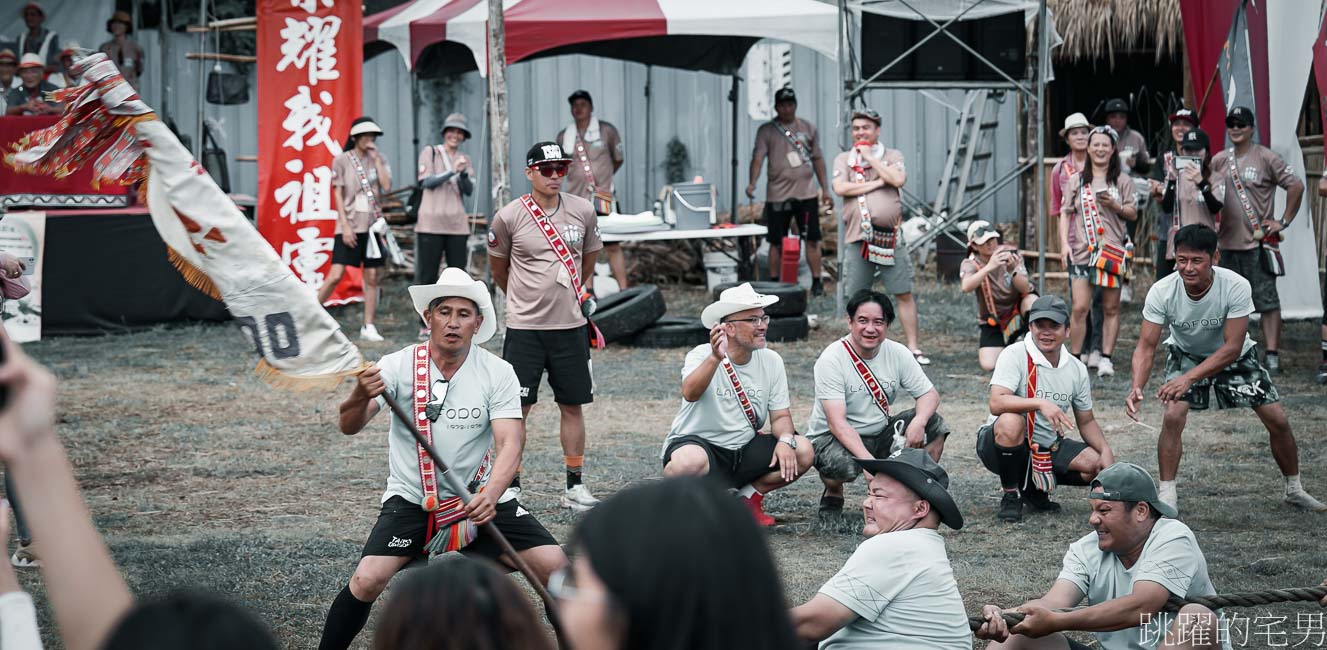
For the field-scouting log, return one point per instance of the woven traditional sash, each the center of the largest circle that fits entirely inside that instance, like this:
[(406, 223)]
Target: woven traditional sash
[(864, 371), (1010, 321), (448, 528), (364, 185), (792, 139), (560, 248), (877, 248), (1270, 243), (603, 201), (1091, 216), (742, 399), (1108, 260), (1043, 473)]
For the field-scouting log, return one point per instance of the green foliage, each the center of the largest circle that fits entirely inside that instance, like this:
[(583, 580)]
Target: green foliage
[(676, 161)]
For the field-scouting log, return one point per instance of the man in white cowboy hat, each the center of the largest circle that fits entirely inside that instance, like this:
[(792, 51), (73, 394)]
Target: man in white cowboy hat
[(30, 97), (897, 591), (732, 387), (468, 402)]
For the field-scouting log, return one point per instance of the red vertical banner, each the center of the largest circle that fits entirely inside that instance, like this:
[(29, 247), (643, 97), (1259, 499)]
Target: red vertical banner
[(1320, 68), (310, 61)]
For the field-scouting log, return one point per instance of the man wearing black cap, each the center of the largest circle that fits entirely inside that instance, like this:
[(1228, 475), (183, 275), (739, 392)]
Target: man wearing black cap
[(1036, 385), (1136, 558), (1250, 235), (595, 148), (1131, 144), (897, 590), (540, 247), (1192, 194), (793, 147), (1181, 121)]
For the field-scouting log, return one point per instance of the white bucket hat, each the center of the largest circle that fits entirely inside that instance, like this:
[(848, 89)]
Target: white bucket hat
[(456, 282), (1077, 120), (734, 299)]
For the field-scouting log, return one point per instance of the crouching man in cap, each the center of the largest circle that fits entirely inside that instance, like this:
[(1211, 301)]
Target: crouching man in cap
[(1035, 386), (731, 387), (897, 590), (1136, 558), (467, 402), (857, 378)]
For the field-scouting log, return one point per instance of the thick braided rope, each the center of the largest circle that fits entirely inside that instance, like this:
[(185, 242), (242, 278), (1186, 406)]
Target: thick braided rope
[(1245, 599)]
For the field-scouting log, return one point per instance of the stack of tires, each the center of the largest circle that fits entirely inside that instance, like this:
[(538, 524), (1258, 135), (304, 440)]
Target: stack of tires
[(787, 320), (625, 313)]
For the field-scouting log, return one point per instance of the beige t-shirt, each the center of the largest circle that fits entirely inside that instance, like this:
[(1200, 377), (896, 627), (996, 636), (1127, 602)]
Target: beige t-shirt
[(883, 203), (1005, 295), (346, 182), (1107, 219), (441, 210), (1261, 171), (1133, 141), (791, 172), (602, 154), (539, 293), (1190, 208)]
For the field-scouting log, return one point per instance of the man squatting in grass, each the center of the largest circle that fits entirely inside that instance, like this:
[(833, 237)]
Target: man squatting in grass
[(897, 591), (467, 400), (1207, 310), (1035, 385), (1135, 559), (731, 387), (857, 378)]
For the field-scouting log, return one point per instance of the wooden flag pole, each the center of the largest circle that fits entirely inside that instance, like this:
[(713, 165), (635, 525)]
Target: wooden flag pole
[(455, 485)]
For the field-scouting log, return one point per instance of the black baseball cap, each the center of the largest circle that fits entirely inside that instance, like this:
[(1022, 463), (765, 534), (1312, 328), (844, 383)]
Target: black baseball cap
[(1195, 139), (1117, 105), (580, 94), (1129, 482), (543, 152), (1184, 114), (1239, 116), (785, 94), (1050, 307)]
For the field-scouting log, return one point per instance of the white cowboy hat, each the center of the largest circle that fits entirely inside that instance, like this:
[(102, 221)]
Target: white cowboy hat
[(734, 299), (1075, 121), (365, 127), (456, 282)]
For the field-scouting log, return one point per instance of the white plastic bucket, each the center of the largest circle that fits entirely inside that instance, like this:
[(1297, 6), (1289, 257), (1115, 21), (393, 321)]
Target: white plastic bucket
[(719, 269)]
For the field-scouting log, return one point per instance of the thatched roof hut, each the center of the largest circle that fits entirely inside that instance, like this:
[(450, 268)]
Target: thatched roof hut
[(1096, 30)]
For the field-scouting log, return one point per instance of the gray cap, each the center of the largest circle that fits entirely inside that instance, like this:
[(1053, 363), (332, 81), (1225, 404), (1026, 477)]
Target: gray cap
[(1049, 307), (1129, 482), (456, 121)]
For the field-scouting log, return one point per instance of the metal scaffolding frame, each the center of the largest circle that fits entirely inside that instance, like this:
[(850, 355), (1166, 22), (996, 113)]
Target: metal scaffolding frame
[(1033, 89)]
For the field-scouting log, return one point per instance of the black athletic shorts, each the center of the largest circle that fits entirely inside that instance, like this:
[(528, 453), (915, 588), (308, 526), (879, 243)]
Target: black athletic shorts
[(564, 353), (804, 212), (1062, 454), (401, 527), (733, 467), (342, 254), (990, 336)]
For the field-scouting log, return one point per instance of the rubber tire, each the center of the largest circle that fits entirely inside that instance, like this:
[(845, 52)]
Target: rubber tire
[(792, 297), (629, 311), (788, 328), (671, 332)]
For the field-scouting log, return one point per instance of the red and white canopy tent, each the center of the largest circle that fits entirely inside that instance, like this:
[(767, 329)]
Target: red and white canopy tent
[(707, 35)]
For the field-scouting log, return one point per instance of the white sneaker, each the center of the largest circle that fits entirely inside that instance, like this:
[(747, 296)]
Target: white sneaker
[(1094, 359), (1169, 496), (579, 499), (369, 333), (1105, 368), (1302, 499)]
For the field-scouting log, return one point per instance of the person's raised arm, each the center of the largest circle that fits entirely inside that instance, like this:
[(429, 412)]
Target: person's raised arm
[(696, 381), (360, 407)]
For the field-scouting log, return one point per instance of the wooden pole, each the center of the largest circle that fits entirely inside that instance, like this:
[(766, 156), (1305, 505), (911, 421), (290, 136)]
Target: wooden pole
[(497, 106)]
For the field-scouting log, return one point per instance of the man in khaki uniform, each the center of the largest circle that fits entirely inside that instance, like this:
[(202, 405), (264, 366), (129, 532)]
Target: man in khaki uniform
[(547, 306), (793, 147), (1259, 171), (595, 148), (868, 177)]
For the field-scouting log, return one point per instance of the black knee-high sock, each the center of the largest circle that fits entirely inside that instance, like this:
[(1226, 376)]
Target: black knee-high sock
[(1013, 464), (344, 620)]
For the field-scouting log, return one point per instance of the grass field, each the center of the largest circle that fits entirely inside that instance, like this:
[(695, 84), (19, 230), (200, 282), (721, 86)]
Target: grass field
[(199, 475)]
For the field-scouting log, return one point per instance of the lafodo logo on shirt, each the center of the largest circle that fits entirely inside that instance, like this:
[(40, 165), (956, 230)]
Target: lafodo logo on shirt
[(1052, 396), (1201, 323), (727, 392)]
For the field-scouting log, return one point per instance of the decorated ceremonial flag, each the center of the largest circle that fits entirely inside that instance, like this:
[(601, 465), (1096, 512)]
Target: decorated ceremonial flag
[(207, 237)]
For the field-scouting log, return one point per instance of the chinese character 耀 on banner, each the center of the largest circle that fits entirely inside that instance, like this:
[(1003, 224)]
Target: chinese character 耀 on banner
[(310, 61)]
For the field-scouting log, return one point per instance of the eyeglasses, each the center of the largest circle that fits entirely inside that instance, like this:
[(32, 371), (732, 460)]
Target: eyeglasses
[(754, 320), (433, 409), (556, 170)]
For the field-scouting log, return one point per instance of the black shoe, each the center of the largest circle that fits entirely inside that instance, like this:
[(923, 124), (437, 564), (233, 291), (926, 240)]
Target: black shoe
[(1040, 501), (1011, 508), (830, 505), (817, 289)]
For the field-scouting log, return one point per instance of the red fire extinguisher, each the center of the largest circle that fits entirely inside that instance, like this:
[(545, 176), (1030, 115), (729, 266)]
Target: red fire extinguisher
[(791, 258)]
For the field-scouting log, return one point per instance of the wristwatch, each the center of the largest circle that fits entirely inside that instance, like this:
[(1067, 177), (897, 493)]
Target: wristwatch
[(791, 441)]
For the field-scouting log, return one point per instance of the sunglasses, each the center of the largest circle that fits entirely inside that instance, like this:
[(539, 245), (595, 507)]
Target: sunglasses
[(554, 170), (1237, 125)]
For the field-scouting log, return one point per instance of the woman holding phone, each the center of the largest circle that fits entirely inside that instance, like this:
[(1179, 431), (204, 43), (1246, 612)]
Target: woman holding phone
[(1190, 194), (1094, 242), (994, 272)]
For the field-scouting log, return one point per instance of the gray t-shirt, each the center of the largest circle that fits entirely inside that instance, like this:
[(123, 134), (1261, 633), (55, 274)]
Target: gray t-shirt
[(1170, 558), (482, 390), (837, 379), (717, 416), (1067, 385), (902, 589), (1198, 326)]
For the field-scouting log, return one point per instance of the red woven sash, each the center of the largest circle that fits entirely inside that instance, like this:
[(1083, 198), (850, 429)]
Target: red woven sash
[(877, 248), (1043, 473), (560, 248), (740, 392), (868, 378), (1271, 243)]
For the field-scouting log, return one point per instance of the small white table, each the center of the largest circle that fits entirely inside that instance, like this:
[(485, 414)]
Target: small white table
[(743, 230)]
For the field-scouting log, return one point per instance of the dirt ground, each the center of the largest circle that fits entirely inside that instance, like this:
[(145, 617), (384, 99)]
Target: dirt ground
[(199, 475)]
